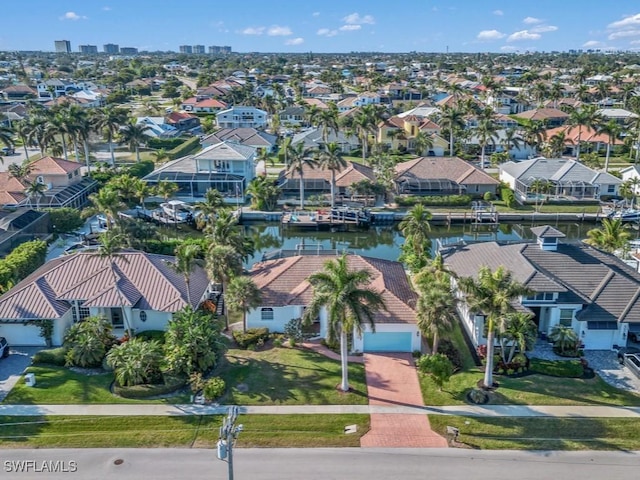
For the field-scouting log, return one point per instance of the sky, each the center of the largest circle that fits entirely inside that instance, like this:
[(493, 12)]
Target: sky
[(326, 26)]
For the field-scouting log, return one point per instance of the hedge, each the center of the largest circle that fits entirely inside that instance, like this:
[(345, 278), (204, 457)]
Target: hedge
[(170, 385), (65, 220), (185, 148), (251, 337), (434, 200), (141, 169), (557, 368), (52, 356), (166, 143), (22, 261)]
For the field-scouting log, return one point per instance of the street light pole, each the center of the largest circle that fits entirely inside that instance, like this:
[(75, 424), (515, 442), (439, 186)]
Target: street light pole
[(228, 435)]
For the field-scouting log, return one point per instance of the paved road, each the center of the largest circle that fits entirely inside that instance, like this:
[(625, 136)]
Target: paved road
[(320, 464), (18, 158)]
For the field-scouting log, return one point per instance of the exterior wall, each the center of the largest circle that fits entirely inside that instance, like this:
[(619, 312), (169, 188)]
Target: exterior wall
[(22, 334), (416, 340), (281, 316), (508, 179), (155, 320), (475, 189), (60, 327)]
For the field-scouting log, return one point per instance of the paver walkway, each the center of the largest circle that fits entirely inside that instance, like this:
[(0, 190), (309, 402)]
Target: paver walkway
[(392, 380)]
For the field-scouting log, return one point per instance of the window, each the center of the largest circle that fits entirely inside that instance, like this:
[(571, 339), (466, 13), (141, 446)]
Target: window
[(70, 176), (116, 318), (266, 314), (79, 312), (611, 189), (143, 316), (540, 297), (566, 317)]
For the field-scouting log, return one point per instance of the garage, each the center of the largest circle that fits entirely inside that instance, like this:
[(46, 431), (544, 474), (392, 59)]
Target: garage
[(387, 342), (19, 334), (599, 339)]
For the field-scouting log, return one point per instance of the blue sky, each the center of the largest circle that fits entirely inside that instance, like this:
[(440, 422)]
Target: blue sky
[(328, 26)]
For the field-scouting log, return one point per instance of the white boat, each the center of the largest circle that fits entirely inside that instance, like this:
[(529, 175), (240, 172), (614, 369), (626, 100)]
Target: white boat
[(627, 215), (177, 210)]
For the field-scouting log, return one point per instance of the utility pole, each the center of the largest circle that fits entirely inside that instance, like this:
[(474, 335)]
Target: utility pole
[(228, 435)]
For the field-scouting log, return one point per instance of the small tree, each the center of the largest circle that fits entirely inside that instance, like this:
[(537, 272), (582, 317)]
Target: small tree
[(136, 362), (565, 340), (438, 366)]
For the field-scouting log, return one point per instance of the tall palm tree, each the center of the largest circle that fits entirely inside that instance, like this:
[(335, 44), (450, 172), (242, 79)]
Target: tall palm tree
[(520, 331), (331, 159), (511, 139), (584, 117), (213, 201), (243, 295), (187, 255), (365, 122), (452, 119), (141, 191), (422, 142), (222, 264), (327, 120), (612, 130), (6, 135), (107, 201), (611, 236), (348, 301), (299, 160), (22, 130), (21, 171), (492, 294), (486, 132), (225, 231), (133, 135), (35, 190), (535, 132), (108, 120), (109, 250), (415, 228), (83, 128), (166, 189), (436, 310)]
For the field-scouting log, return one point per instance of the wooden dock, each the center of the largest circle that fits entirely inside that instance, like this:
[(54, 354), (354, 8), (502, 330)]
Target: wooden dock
[(334, 218)]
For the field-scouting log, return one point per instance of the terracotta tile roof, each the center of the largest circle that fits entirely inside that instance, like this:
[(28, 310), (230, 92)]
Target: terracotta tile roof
[(53, 166), (542, 114), (586, 135), (146, 281), (284, 282), (210, 103), (354, 172), (449, 168)]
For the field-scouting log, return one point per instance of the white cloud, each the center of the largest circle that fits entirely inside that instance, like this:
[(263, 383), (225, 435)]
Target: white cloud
[(490, 35), (253, 31), (544, 28), (316, 14), (634, 42), (295, 41), (350, 28), (628, 21), (531, 20), (592, 44), (72, 16), (624, 34), (509, 48), (278, 31), (498, 13), (325, 32), (356, 19), (523, 35)]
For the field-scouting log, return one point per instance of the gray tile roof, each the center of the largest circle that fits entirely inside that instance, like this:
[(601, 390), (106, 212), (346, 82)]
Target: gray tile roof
[(547, 231), (559, 170)]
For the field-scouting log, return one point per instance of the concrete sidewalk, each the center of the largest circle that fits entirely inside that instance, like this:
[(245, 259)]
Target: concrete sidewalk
[(464, 410)]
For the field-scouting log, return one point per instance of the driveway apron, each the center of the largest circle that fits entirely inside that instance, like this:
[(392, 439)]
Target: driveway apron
[(392, 380)]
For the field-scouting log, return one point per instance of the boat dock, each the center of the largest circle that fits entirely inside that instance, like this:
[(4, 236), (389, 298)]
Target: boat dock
[(334, 218)]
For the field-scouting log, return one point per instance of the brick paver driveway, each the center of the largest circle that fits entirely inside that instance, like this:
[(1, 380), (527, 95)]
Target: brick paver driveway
[(392, 380)]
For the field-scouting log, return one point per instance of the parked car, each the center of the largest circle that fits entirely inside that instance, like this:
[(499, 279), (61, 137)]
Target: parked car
[(4, 347), (7, 151)]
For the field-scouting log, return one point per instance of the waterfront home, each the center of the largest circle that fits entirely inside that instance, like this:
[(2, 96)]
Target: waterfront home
[(251, 137), (551, 117), (241, 116)]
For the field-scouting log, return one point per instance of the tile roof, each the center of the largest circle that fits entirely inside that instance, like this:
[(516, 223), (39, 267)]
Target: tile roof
[(559, 170), (547, 231), (450, 168), (145, 281), (585, 134), (354, 172), (542, 114), (284, 282), (53, 166)]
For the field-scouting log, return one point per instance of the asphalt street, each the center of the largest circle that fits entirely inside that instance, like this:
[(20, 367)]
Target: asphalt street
[(320, 464)]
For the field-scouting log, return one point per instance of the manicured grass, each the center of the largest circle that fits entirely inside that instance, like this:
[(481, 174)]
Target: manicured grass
[(288, 376), (547, 208), (59, 385), (529, 390), (179, 432), (489, 433)]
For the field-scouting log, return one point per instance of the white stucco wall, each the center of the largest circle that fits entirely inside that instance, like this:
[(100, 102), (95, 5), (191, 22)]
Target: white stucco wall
[(155, 320), (281, 316), (508, 179)]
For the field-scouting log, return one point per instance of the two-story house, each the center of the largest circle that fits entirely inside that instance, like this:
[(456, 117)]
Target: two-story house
[(226, 166), (242, 116)]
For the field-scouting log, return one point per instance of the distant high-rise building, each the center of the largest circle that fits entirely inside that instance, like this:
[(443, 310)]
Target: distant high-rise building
[(198, 49), (88, 49), (215, 49), (63, 46), (225, 49), (111, 48), (186, 49), (128, 50)]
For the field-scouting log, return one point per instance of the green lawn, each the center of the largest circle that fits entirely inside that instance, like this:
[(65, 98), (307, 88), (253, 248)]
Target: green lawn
[(288, 376), (529, 390), (178, 432), (59, 385), (490, 433), (546, 208)]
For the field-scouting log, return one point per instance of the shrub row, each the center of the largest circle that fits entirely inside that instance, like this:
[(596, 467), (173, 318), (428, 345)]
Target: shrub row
[(22, 261), (52, 356), (434, 200), (252, 336), (185, 148), (170, 385), (562, 368), (166, 143)]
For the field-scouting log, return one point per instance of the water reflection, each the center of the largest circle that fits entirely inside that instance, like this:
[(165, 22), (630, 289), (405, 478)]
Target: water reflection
[(385, 241)]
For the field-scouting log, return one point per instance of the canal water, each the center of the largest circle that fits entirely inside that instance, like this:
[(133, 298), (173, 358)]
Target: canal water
[(385, 241)]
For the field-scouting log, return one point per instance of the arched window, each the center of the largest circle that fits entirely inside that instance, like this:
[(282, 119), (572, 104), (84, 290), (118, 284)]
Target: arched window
[(143, 316)]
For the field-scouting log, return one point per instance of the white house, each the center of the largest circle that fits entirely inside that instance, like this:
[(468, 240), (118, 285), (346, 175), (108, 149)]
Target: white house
[(574, 285), (286, 292), (70, 288), (242, 116), (631, 173)]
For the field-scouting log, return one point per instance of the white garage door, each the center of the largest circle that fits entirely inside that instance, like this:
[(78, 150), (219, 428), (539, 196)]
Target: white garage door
[(387, 342), (599, 339), (19, 334)]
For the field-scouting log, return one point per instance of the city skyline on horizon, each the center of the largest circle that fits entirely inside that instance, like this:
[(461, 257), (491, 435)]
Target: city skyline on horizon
[(347, 26)]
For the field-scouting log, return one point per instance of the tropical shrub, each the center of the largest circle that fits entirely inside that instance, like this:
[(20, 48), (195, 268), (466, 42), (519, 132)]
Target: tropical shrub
[(87, 342), (438, 366), (51, 356), (21, 262), (293, 329), (147, 335), (65, 220), (136, 362), (213, 388), (448, 349), (434, 200), (565, 341), (250, 337), (170, 385)]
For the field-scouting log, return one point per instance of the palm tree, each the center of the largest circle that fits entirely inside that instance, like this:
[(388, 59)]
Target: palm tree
[(611, 236), (264, 193), (586, 117), (83, 128), (535, 133), (22, 130), (136, 362), (436, 310), (540, 186), (486, 132), (612, 130), (557, 143), (35, 189), (107, 201), (348, 301), (21, 171), (108, 120), (186, 259), (492, 294), (209, 206), (331, 159), (451, 119), (110, 246), (133, 135), (299, 160), (365, 122), (327, 120), (223, 263), (6, 135), (521, 331), (243, 295), (415, 228), (422, 142), (166, 189), (160, 155), (141, 190)]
